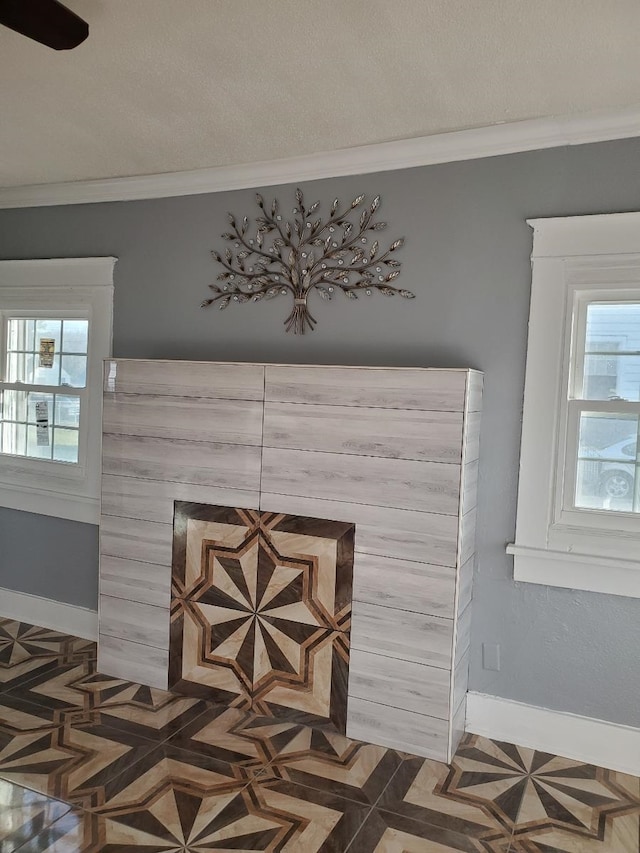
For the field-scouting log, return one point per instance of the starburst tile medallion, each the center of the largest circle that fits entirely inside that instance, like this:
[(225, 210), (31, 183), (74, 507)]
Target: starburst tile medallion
[(261, 611)]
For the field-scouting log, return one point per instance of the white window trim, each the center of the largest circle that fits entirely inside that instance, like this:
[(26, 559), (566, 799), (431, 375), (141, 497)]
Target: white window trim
[(579, 252), (74, 284)]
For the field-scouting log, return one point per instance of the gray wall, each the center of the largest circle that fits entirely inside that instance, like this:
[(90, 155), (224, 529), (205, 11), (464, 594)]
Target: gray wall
[(467, 258)]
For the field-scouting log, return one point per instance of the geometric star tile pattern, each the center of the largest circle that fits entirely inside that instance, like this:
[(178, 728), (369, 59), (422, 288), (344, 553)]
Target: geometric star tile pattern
[(114, 767), (261, 611)]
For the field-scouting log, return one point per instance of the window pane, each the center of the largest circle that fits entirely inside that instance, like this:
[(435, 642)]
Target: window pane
[(74, 335), (607, 462), (14, 406), (74, 371), (20, 336), (48, 329), (20, 367), (65, 445), (612, 352), (36, 446), (13, 438), (44, 399), (46, 375), (67, 411)]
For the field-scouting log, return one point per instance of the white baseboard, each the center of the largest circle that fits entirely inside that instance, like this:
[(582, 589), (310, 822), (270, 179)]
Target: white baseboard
[(598, 742), (79, 621)]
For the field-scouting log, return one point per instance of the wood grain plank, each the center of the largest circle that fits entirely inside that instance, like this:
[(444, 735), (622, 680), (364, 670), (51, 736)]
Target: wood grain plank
[(405, 585), (460, 679), (403, 635), (133, 661), (467, 536), (202, 463), (135, 581), (152, 500), (185, 378), (135, 621), (469, 498), (423, 486), (391, 433), (457, 728), (189, 418), (465, 585), (397, 728), (403, 388), (383, 531), (472, 422), (475, 388), (400, 684), (132, 539), (463, 635)]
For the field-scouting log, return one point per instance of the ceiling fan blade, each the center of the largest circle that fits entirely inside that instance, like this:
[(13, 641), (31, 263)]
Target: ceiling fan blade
[(45, 21)]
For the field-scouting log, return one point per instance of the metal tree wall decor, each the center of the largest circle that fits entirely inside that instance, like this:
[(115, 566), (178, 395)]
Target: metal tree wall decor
[(295, 256)]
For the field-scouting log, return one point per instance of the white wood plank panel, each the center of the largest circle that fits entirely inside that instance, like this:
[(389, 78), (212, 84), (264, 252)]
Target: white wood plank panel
[(463, 634), (397, 728), (472, 436), (185, 378), (189, 418), (457, 728), (469, 487), (405, 534), (475, 389), (401, 634), (423, 486), (400, 684), (465, 585), (135, 581), (405, 388), (133, 539), (404, 585), (152, 500), (133, 661), (467, 536), (460, 679), (203, 463), (135, 621), (391, 433)]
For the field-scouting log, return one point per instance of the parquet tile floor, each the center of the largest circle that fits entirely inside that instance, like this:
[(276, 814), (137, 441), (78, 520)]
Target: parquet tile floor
[(93, 763)]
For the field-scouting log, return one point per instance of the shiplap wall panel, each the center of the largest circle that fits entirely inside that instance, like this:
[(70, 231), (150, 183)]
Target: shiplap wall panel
[(152, 500), (397, 728), (133, 661), (199, 419), (392, 450), (399, 684), (383, 531), (233, 466), (404, 585), (185, 379), (132, 580), (399, 483), (385, 388), (363, 431)]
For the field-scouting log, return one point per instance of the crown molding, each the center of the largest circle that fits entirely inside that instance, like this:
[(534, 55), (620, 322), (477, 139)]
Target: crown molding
[(492, 141)]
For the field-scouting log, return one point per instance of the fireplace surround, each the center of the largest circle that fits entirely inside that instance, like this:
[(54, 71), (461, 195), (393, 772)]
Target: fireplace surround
[(393, 451)]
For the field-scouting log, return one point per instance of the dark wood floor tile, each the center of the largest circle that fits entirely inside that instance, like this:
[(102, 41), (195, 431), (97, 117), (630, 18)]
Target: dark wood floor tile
[(385, 832), (331, 762)]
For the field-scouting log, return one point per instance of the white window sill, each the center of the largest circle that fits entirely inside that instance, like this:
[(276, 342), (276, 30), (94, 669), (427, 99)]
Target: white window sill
[(48, 502), (613, 576)]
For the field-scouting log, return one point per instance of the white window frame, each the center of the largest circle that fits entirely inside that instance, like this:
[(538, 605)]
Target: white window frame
[(74, 288), (574, 259)]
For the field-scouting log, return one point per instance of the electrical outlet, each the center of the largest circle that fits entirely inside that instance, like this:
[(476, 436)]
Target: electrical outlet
[(491, 656)]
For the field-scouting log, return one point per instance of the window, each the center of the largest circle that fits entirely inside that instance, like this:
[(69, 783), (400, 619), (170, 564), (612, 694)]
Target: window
[(55, 330), (578, 516)]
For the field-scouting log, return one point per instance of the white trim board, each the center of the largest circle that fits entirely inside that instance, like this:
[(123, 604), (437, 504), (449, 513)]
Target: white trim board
[(598, 742), (491, 141), (47, 613)]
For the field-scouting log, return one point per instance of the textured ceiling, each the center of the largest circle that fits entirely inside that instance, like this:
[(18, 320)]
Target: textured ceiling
[(167, 85)]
